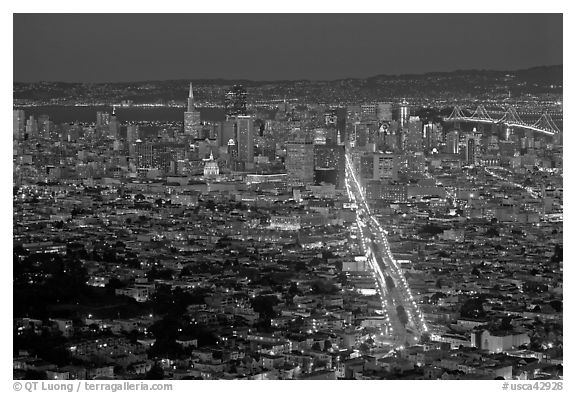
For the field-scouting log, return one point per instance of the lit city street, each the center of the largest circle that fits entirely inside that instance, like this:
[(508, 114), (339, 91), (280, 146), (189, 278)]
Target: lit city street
[(382, 262)]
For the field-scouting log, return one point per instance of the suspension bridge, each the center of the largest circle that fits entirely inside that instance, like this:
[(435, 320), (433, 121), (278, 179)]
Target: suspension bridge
[(511, 118)]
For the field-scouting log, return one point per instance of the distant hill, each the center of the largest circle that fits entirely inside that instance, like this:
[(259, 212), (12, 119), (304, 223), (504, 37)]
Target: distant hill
[(552, 74), (454, 84)]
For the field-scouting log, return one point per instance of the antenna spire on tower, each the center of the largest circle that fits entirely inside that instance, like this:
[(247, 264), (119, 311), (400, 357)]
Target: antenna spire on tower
[(191, 99)]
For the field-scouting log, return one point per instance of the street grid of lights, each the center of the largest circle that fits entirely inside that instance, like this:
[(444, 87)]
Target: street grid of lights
[(415, 317)]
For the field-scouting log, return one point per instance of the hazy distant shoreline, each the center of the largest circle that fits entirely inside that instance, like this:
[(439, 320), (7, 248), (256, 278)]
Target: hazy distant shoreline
[(87, 114)]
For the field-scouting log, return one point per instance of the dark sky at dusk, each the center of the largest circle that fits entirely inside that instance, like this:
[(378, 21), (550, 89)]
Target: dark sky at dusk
[(132, 47)]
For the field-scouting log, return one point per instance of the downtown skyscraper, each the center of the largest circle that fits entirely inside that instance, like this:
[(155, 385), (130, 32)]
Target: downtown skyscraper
[(235, 101), (300, 162), (245, 139), (191, 116), (19, 123)]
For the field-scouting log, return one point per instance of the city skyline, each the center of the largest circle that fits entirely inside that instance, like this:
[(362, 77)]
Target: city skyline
[(384, 228), (138, 47)]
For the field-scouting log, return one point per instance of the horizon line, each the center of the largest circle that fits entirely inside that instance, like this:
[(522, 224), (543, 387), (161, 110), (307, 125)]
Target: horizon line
[(296, 80)]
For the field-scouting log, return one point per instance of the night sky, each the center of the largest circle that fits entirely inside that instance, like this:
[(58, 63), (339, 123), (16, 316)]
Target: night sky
[(133, 47)]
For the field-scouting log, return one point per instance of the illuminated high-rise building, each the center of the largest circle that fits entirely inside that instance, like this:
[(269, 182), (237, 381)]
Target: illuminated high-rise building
[(330, 157), (32, 127), (452, 142), (114, 125), (232, 151), (414, 135), (45, 126), (404, 114), (471, 150), (235, 101), (432, 136), (192, 122), (300, 162), (245, 138), (19, 124)]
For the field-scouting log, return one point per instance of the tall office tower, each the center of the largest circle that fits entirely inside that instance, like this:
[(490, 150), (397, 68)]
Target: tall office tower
[(131, 133), (300, 162), (427, 138), (44, 126), (190, 107), (437, 135), (432, 135), (231, 149), (384, 111), (400, 139), (471, 149), (414, 135), (341, 118), (235, 101), (453, 142), (330, 157), (32, 127), (114, 125), (245, 138), (232, 154), (192, 123), (404, 114), (19, 124)]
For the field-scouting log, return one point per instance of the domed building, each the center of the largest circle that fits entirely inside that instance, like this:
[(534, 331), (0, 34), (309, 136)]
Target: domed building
[(211, 168)]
